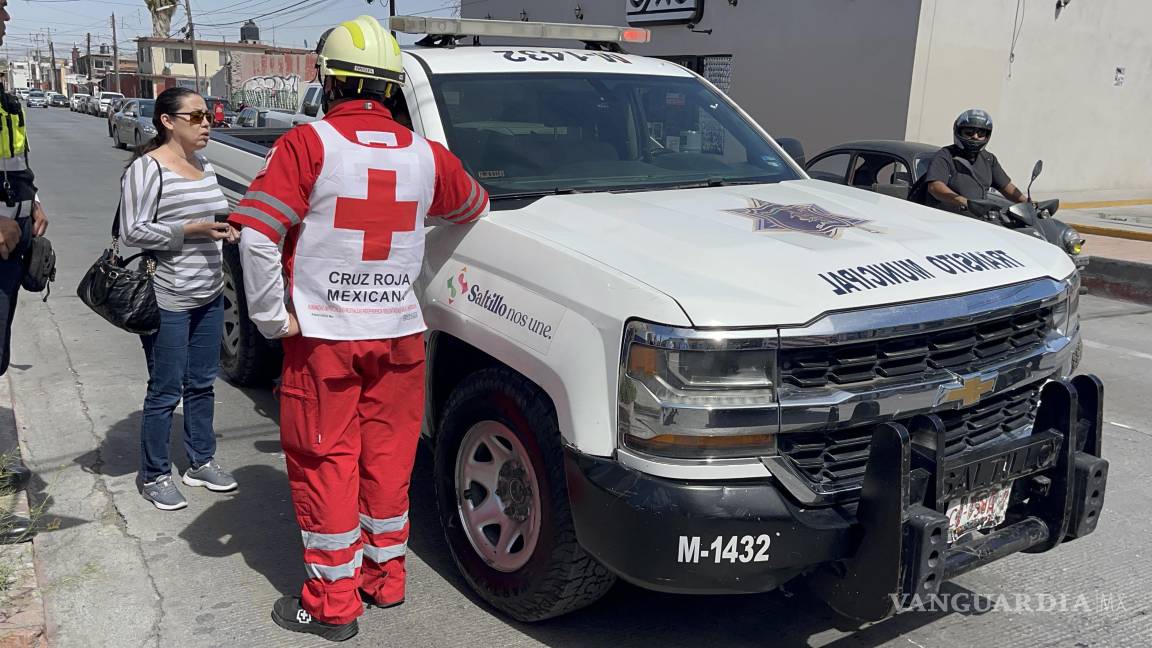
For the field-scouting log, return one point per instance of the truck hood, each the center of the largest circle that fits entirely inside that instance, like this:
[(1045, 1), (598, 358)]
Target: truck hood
[(787, 253)]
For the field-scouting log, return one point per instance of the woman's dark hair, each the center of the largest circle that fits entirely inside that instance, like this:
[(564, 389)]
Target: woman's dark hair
[(169, 101)]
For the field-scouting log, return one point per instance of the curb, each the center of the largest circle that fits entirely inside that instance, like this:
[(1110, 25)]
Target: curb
[(1119, 279), (1113, 232), (22, 618), (1098, 204)]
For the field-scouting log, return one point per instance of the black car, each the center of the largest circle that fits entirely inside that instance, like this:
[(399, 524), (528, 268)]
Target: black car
[(890, 167)]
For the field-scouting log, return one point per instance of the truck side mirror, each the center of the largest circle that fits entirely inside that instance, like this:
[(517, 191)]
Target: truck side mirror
[(793, 148), (311, 108)]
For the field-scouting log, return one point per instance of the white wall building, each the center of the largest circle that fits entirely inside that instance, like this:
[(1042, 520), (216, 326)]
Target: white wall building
[(1070, 84)]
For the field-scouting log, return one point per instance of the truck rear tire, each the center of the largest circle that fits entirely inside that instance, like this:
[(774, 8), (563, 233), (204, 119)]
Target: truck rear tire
[(247, 358), (503, 500)]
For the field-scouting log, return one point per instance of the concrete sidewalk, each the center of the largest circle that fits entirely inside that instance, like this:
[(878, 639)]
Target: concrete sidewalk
[(22, 622), (1119, 242)]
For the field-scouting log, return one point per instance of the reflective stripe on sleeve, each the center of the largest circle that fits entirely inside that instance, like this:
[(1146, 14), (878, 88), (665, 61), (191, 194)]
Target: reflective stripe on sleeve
[(287, 212), (263, 218)]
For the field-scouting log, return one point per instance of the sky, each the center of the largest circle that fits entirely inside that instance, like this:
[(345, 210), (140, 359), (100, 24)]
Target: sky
[(290, 23)]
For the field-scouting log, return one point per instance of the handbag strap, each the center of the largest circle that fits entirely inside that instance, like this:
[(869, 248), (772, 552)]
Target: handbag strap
[(155, 212)]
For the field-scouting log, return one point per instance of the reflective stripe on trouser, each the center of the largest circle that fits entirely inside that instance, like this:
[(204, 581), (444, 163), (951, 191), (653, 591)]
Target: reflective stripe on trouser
[(385, 543), (350, 414)]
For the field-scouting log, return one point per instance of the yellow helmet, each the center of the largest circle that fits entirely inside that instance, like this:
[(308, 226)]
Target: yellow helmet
[(362, 54)]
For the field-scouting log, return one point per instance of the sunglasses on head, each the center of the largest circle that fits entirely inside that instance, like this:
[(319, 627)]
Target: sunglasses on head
[(196, 116)]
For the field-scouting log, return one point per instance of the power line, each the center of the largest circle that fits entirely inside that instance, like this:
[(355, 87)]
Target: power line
[(264, 15)]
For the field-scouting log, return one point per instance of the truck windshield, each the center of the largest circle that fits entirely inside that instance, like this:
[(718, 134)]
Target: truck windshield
[(544, 133)]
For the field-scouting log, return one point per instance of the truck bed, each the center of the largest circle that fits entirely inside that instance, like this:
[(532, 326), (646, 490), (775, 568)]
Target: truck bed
[(253, 140), (237, 155)]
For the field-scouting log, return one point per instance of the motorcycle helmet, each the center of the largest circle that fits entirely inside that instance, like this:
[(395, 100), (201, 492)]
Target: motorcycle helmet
[(969, 120)]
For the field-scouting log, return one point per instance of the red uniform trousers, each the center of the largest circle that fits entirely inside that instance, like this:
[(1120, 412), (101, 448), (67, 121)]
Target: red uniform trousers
[(350, 415)]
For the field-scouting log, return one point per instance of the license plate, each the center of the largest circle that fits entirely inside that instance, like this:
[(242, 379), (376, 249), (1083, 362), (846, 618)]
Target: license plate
[(976, 512)]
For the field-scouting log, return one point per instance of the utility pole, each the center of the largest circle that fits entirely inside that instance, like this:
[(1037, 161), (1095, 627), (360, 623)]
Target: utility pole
[(115, 53), (55, 74), (192, 38), (88, 65)]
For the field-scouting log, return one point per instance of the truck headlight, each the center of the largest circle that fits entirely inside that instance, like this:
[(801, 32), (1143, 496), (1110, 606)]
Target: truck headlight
[(1072, 241), (698, 394)]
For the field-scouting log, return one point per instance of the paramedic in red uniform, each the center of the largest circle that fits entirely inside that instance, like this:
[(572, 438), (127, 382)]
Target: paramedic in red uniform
[(346, 198)]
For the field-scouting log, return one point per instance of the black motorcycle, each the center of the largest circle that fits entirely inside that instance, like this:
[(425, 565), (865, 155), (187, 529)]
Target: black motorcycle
[(1032, 218)]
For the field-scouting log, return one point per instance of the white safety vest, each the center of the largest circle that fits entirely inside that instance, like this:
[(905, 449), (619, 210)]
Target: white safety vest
[(361, 244)]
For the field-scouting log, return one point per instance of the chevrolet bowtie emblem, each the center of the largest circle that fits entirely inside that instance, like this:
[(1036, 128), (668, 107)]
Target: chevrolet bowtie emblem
[(969, 391)]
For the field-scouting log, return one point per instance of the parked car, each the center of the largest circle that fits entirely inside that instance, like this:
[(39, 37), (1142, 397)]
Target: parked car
[(76, 103), (687, 364), (253, 117), (133, 123), (37, 99), (57, 100), (23, 93), (113, 109), (102, 101)]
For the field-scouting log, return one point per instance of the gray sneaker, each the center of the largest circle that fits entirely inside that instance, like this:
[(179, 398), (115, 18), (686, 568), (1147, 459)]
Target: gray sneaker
[(210, 476), (164, 494)]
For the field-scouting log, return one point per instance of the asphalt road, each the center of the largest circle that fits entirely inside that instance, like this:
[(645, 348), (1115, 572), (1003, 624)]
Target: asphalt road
[(117, 572)]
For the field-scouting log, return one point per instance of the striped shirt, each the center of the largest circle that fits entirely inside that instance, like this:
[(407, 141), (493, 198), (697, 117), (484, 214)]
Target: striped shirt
[(188, 272)]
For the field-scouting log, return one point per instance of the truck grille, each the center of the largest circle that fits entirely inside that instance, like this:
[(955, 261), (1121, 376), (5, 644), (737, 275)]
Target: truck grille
[(837, 459), (961, 350)]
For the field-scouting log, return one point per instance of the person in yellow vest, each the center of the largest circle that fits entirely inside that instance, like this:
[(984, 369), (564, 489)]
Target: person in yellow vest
[(21, 218)]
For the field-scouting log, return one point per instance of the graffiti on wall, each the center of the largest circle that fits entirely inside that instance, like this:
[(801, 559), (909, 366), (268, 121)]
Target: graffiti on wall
[(272, 83), (270, 80)]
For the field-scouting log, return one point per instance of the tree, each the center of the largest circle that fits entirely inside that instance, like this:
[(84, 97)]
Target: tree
[(161, 11)]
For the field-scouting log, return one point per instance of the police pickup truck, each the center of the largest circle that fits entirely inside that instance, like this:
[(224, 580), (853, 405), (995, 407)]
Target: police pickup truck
[(670, 357)]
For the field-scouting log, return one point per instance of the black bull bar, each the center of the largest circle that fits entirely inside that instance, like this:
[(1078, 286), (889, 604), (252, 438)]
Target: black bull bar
[(1058, 479)]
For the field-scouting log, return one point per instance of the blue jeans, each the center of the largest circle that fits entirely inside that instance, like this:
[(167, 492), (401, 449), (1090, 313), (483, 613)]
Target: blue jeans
[(183, 361)]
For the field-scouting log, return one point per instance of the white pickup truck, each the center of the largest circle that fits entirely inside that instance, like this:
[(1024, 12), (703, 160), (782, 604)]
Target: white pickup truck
[(669, 356)]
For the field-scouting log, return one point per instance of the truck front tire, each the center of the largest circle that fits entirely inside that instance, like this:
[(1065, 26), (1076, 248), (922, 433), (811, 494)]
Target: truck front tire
[(503, 500), (247, 359)]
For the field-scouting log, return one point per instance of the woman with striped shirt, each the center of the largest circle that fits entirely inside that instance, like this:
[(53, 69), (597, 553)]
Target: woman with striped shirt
[(168, 203)]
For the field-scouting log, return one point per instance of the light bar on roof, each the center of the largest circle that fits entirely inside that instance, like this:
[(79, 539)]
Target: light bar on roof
[(518, 29)]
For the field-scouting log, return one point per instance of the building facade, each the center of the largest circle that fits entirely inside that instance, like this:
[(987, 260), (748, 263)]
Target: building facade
[(1065, 83), (250, 73)]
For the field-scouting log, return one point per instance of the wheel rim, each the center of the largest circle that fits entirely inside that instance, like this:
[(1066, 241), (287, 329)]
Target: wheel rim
[(231, 339), (497, 496)]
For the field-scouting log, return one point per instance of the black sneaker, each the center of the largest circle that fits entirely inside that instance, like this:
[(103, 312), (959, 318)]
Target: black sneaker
[(370, 602), (288, 614)]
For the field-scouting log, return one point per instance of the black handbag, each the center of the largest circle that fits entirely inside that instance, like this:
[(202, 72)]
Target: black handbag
[(39, 266), (124, 296)]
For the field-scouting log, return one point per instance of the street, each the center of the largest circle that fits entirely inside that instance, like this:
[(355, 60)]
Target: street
[(116, 571)]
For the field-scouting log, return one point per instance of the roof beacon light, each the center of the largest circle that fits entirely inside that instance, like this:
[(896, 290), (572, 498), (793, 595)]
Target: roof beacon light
[(518, 29)]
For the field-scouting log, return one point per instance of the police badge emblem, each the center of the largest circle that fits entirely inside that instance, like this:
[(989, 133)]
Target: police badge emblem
[(809, 219)]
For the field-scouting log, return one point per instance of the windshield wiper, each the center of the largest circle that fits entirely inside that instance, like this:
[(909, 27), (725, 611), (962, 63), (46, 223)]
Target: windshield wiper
[(526, 195), (704, 184)]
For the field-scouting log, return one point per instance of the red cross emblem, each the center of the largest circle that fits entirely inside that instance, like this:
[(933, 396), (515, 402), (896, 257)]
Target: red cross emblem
[(379, 215)]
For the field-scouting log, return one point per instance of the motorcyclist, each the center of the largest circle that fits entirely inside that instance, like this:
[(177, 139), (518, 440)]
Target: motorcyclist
[(966, 170)]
